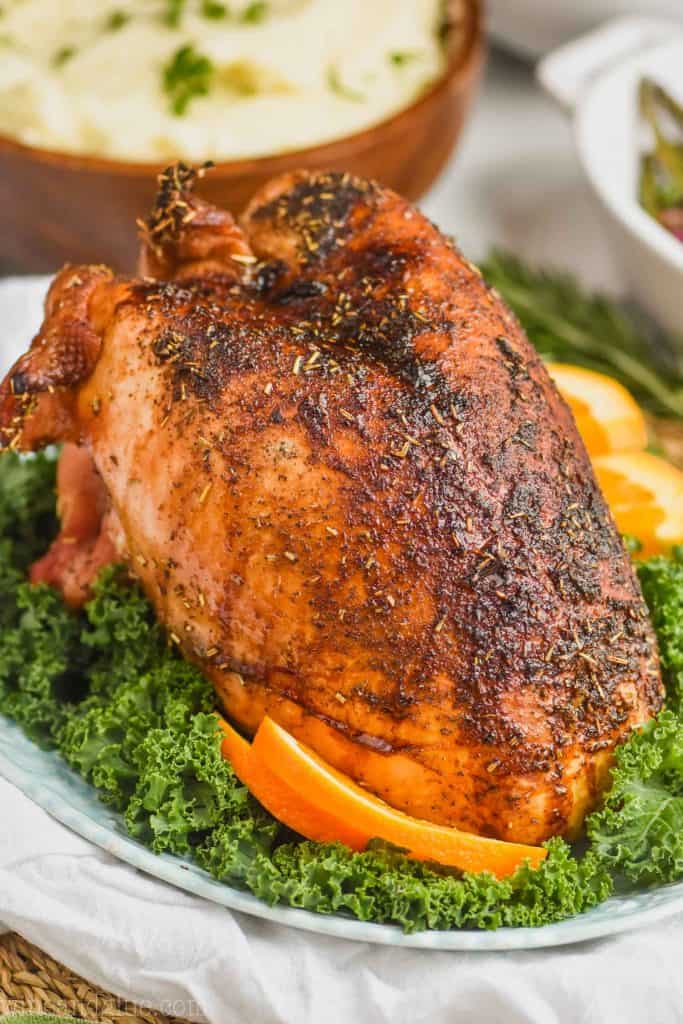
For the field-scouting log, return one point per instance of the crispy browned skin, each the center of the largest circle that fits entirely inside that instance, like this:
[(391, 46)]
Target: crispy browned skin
[(355, 498)]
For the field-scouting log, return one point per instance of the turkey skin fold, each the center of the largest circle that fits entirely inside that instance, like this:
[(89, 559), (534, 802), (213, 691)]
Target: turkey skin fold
[(345, 481)]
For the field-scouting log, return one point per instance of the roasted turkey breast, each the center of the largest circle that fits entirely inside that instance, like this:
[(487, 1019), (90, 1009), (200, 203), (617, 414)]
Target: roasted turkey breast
[(347, 484)]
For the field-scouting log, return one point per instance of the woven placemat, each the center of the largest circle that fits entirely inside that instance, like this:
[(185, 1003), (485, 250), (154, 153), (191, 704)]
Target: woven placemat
[(30, 980)]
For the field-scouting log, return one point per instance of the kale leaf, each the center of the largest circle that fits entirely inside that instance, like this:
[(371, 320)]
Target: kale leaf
[(28, 518), (382, 885), (661, 580), (639, 830)]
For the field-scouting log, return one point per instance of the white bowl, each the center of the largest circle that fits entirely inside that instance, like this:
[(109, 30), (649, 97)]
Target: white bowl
[(598, 76), (534, 27)]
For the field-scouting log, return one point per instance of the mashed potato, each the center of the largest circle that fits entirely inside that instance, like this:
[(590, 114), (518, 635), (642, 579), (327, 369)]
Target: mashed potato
[(156, 79)]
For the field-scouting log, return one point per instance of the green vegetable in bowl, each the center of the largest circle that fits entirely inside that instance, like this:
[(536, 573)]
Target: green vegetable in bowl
[(661, 170)]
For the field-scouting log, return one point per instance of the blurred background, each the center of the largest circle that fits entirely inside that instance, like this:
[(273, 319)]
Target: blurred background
[(516, 180)]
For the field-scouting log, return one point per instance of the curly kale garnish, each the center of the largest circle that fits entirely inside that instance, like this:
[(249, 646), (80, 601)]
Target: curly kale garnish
[(661, 580), (639, 830)]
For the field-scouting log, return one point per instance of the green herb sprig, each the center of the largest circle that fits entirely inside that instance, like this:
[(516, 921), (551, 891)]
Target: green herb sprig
[(63, 56), (254, 13), (116, 20), (336, 85), (214, 11), (399, 58), (568, 324), (173, 12), (187, 75)]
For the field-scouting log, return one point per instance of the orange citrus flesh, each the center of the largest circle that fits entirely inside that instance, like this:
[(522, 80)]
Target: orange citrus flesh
[(281, 800), (645, 496), (305, 793), (608, 417)]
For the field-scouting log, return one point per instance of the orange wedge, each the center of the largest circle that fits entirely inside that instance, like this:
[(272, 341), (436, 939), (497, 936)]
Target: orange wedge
[(320, 803), (608, 417), (645, 496), (281, 800)]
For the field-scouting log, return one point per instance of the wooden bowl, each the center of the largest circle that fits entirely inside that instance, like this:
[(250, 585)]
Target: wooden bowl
[(56, 207)]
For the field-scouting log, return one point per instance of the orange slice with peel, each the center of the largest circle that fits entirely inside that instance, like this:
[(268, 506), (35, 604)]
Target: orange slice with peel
[(608, 417), (645, 496), (320, 803), (284, 803)]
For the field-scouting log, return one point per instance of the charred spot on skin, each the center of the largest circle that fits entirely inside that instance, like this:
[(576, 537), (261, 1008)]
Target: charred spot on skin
[(315, 417), (19, 383), (298, 291), (268, 276), (383, 265), (512, 359), (319, 209), (203, 351)]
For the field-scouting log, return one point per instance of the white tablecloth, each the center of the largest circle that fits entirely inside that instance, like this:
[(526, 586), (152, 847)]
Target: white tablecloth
[(517, 183)]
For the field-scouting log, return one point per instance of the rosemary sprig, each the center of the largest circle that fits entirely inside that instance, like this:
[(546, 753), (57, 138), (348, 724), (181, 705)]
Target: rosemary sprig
[(568, 324)]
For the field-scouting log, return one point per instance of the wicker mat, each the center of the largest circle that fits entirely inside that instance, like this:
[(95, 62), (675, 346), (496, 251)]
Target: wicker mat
[(32, 981)]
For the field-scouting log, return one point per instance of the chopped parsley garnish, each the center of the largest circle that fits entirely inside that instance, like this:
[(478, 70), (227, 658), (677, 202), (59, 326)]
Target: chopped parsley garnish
[(443, 24), (254, 13), (62, 56), (214, 11), (116, 20), (402, 57), (187, 75), (336, 85), (174, 12)]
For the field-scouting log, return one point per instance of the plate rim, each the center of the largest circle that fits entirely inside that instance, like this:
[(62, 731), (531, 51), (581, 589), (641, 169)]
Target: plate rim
[(47, 789)]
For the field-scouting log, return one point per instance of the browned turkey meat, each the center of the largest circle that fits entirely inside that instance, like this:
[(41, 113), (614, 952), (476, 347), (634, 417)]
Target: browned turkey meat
[(353, 495)]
